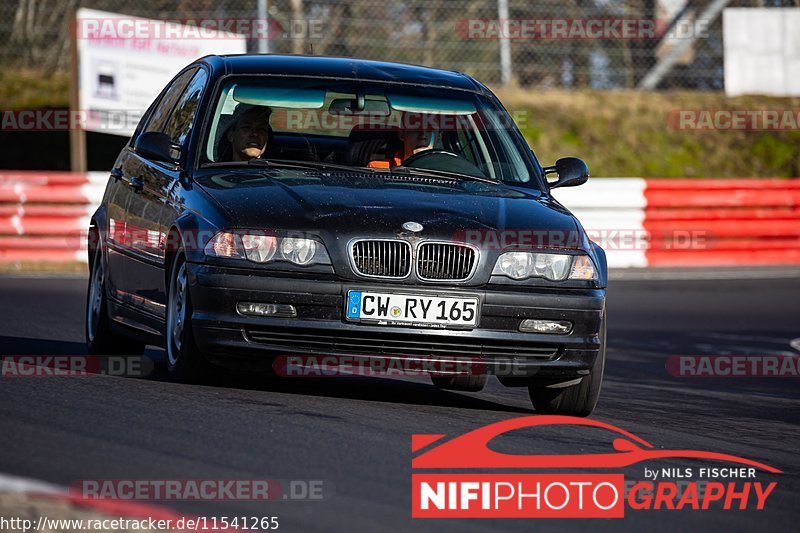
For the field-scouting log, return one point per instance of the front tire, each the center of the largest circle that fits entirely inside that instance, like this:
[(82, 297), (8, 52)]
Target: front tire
[(574, 400), (185, 363), (100, 338)]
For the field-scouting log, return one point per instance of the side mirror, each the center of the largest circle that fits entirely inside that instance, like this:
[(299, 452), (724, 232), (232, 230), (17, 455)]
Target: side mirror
[(156, 146), (571, 172)]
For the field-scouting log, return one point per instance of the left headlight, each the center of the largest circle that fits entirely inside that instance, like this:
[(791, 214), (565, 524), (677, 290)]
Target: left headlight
[(553, 267), (263, 247)]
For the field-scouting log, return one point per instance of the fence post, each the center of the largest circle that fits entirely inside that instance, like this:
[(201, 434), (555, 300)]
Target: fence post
[(263, 14), (77, 135), (505, 43)]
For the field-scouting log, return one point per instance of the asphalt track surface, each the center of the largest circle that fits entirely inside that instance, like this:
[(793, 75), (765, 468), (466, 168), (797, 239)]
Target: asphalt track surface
[(354, 433)]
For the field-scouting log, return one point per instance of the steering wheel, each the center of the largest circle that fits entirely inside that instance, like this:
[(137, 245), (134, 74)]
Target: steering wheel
[(420, 156), (437, 159)]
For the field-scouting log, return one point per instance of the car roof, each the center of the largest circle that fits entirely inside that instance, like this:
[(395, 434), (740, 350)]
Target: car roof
[(341, 67)]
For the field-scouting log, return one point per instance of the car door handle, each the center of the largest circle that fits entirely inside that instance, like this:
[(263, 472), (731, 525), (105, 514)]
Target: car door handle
[(116, 173), (136, 183)]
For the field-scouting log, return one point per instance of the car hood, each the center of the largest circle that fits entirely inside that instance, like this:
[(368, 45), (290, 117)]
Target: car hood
[(361, 204)]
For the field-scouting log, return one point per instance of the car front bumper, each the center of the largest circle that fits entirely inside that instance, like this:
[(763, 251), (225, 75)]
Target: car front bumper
[(229, 338)]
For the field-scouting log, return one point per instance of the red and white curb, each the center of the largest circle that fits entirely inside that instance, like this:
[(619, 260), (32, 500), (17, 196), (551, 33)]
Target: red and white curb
[(614, 208), (690, 222)]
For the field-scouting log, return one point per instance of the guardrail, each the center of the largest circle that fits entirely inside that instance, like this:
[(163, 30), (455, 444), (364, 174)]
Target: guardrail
[(640, 222)]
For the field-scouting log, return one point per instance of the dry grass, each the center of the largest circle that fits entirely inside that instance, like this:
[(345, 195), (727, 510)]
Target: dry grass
[(31, 89), (626, 133)]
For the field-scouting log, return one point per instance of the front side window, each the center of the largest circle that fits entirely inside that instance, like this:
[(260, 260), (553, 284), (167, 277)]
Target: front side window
[(369, 125), (158, 118), (180, 121)]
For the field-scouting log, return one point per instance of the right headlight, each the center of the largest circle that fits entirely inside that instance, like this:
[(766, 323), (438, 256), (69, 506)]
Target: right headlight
[(553, 267), (298, 251)]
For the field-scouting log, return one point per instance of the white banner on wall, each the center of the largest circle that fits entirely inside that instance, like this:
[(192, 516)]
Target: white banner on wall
[(762, 51), (124, 62)]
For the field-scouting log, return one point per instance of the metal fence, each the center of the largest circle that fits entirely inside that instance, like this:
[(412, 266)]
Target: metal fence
[(546, 43)]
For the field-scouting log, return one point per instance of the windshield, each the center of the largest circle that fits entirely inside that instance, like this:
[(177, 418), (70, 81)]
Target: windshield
[(376, 127)]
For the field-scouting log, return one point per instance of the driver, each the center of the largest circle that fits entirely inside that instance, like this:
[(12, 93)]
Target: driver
[(416, 137), (250, 133)]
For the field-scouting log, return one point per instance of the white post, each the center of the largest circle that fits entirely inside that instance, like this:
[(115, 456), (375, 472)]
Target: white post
[(263, 16), (505, 43)]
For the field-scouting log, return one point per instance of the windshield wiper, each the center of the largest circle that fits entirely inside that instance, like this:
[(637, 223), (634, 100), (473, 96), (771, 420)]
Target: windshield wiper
[(289, 163), (248, 163), (321, 165), (445, 174)]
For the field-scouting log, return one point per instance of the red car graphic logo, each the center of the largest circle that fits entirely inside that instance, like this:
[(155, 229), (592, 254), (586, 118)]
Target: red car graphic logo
[(471, 450)]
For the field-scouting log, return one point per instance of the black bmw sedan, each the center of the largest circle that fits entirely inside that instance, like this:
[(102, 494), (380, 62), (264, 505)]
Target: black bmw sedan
[(269, 207)]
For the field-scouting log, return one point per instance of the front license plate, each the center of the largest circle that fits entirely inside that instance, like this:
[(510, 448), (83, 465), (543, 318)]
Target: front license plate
[(414, 310)]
